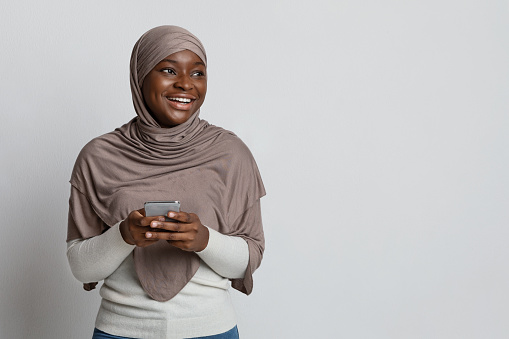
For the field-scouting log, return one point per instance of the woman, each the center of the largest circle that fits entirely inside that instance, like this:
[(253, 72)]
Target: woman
[(166, 279)]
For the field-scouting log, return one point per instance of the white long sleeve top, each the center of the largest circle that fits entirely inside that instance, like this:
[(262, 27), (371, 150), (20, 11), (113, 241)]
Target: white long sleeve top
[(203, 307)]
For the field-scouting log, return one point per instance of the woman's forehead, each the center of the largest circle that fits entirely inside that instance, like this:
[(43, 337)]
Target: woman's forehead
[(183, 56)]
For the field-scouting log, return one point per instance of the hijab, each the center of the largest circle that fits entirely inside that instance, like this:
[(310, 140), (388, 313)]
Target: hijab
[(208, 169)]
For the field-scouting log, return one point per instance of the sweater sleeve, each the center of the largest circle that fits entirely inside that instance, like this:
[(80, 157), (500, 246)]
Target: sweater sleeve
[(228, 256), (94, 259)]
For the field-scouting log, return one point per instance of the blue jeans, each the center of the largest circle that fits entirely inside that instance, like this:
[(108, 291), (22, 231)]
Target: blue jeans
[(231, 334)]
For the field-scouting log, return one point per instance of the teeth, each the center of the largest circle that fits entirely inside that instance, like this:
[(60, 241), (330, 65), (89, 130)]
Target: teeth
[(184, 100)]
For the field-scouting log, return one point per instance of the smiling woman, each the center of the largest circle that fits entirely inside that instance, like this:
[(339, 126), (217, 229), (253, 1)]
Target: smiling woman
[(166, 279), (175, 89)]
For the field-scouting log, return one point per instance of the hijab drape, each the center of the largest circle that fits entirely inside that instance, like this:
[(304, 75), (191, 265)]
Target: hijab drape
[(207, 168)]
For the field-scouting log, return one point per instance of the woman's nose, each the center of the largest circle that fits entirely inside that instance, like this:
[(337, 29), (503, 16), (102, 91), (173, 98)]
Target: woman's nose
[(184, 82)]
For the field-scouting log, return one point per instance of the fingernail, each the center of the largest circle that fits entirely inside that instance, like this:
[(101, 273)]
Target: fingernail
[(161, 219), (172, 214), (154, 224), (148, 235)]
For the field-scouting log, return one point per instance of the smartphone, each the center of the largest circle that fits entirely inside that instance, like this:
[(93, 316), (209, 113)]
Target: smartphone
[(155, 208)]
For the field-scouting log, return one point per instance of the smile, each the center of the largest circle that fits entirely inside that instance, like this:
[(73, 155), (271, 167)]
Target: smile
[(183, 100)]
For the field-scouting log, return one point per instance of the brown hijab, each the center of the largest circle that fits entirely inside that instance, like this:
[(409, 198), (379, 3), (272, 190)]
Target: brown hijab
[(207, 168)]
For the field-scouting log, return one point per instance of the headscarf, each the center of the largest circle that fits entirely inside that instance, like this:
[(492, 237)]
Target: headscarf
[(207, 168)]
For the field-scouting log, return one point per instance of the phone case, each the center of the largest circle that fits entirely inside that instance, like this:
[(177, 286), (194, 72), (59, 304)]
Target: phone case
[(155, 208)]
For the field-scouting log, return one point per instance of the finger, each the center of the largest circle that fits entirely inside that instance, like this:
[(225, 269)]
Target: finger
[(170, 226), (181, 216), (146, 242), (146, 221), (138, 218), (138, 213), (173, 236)]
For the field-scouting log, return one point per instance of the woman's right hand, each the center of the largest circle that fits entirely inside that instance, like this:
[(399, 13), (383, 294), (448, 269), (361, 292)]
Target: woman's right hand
[(134, 227)]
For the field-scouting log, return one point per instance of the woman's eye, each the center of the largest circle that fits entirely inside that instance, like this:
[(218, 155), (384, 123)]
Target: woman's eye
[(198, 73), (169, 71)]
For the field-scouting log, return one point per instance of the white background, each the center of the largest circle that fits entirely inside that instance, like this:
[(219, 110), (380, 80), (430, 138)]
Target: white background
[(380, 128)]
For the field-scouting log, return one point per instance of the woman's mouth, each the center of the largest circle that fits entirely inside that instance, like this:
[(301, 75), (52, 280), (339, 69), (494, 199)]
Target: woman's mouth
[(180, 103)]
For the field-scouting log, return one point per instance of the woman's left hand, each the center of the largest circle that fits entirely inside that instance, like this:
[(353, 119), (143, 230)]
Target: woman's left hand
[(188, 234)]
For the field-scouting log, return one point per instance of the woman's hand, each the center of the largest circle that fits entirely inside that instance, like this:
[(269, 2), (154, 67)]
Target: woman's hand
[(134, 228), (188, 234)]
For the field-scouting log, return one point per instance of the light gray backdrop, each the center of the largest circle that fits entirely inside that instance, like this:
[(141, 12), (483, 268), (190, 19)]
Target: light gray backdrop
[(380, 129)]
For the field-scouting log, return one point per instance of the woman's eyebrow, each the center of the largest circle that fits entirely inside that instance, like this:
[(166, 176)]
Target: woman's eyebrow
[(169, 60)]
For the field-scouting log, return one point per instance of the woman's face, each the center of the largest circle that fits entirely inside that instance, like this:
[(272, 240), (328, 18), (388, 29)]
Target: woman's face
[(175, 88)]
